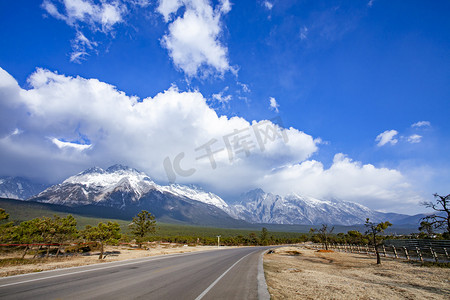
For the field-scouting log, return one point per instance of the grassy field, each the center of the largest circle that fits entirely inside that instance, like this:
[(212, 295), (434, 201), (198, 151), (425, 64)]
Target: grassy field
[(304, 273)]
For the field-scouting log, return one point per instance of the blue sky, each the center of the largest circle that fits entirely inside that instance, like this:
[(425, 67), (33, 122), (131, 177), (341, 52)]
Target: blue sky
[(350, 78)]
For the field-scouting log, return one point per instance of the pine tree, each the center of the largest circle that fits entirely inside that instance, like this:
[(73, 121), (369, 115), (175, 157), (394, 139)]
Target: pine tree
[(102, 233), (373, 231), (143, 224)]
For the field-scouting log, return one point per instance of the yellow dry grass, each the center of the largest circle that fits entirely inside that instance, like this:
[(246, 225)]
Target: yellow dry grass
[(302, 273)]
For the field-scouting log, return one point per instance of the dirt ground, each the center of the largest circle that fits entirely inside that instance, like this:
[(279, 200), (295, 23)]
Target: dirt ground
[(114, 253), (302, 273)]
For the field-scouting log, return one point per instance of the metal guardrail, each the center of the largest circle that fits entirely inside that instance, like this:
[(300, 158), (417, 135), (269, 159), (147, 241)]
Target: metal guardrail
[(431, 252)]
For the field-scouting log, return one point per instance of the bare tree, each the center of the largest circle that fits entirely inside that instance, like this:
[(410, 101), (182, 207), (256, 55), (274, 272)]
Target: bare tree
[(324, 233), (373, 231), (440, 219)]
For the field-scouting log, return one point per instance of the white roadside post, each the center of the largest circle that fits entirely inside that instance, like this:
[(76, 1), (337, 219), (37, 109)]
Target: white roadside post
[(218, 241)]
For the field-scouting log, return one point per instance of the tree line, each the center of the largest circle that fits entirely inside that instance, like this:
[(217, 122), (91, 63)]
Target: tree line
[(52, 234), (56, 232)]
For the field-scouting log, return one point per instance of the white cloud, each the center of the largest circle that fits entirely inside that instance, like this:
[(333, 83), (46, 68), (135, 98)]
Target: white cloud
[(221, 98), (415, 138), (387, 137), (378, 188), (273, 104), (370, 3), (244, 87), (421, 124), (104, 14), (105, 126), (78, 13), (122, 129), (79, 45), (268, 5), (62, 144), (193, 39), (304, 33)]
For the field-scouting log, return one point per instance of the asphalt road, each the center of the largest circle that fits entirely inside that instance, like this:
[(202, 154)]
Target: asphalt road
[(219, 274)]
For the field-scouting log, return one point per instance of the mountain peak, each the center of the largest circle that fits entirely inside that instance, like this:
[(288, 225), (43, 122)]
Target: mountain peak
[(119, 167), (257, 192), (92, 170)]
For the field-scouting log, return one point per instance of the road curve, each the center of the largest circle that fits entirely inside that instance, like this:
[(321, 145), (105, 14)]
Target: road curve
[(219, 274)]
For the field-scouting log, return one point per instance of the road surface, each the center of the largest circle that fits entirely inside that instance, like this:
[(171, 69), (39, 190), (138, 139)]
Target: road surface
[(219, 274)]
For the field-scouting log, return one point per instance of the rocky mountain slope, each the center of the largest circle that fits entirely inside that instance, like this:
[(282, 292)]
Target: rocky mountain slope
[(19, 188), (131, 191), (257, 206)]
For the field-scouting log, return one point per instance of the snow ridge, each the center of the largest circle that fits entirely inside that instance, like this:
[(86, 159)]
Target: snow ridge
[(259, 207), (124, 184)]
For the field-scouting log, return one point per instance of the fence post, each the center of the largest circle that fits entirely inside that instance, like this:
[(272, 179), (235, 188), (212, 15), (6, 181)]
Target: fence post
[(419, 254), (446, 253), (384, 250), (367, 249), (395, 252), (406, 253), (434, 255)]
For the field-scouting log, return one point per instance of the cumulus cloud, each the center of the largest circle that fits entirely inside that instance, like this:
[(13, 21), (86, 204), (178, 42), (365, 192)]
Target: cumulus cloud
[(421, 124), (387, 137), (193, 38), (65, 124), (85, 13), (273, 104), (377, 188), (141, 133), (414, 139)]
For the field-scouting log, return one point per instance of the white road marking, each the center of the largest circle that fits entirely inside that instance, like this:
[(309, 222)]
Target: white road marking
[(218, 279), (101, 268)]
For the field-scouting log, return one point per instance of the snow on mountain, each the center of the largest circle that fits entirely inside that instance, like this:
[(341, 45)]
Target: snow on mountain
[(113, 178), (123, 187), (118, 186), (259, 207), (18, 188), (195, 193)]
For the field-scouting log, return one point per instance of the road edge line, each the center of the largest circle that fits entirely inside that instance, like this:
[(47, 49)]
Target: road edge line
[(263, 291)]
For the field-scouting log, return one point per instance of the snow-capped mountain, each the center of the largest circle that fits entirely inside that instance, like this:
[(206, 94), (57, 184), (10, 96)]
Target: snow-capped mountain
[(196, 193), (130, 190), (96, 186), (257, 206), (19, 188)]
